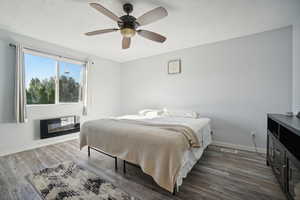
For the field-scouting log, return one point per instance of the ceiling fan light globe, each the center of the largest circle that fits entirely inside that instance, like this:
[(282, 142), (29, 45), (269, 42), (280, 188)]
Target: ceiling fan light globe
[(128, 32)]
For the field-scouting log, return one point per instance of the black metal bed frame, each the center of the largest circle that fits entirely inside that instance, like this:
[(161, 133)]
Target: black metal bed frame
[(116, 162), (116, 159)]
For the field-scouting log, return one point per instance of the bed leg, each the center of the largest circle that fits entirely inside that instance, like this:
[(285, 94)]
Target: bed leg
[(116, 163), (89, 151), (124, 166), (174, 190)]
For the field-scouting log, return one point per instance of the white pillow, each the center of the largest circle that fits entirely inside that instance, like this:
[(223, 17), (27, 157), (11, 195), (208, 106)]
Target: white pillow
[(151, 112), (180, 113)]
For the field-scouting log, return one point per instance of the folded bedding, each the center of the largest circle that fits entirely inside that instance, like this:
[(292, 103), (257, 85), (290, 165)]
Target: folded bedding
[(156, 147), (180, 113), (166, 112)]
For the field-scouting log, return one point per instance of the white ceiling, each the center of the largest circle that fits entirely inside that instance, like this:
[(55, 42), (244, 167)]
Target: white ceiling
[(190, 23)]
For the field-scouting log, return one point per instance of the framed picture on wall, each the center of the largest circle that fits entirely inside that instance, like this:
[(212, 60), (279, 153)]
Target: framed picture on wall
[(174, 66)]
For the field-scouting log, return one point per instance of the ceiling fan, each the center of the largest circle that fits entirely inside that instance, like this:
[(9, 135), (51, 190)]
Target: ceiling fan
[(128, 24)]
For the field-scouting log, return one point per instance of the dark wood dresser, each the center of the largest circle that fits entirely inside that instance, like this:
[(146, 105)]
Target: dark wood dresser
[(283, 152)]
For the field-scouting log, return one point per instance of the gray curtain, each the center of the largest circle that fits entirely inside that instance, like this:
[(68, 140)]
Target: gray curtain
[(85, 89), (20, 93)]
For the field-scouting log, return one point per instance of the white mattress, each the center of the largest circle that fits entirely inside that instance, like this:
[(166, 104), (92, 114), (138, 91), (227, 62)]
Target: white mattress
[(191, 157), (201, 127)]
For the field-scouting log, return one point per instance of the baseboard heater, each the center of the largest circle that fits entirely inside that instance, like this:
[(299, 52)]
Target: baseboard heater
[(59, 126)]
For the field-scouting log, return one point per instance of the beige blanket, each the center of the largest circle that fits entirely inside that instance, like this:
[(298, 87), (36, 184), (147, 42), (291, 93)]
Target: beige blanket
[(157, 148)]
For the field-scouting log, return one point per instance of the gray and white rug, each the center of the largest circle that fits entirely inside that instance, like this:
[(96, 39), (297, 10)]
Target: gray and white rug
[(69, 181)]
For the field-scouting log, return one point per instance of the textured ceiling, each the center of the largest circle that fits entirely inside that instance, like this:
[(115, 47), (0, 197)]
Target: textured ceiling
[(190, 23)]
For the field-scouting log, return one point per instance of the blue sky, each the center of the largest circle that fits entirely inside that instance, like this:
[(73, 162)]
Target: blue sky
[(44, 68)]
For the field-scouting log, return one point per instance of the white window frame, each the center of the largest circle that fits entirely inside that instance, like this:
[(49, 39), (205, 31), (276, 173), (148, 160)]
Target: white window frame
[(58, 59)]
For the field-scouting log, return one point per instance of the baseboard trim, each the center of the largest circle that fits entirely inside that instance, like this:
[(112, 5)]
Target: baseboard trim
[(238, 147), (39, 145)]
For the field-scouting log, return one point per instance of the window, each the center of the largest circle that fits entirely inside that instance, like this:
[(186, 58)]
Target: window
[(51, 80), (40, 76), (69, 82)]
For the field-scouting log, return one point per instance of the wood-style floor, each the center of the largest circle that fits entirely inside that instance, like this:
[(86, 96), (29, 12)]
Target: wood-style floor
[(218, 175)]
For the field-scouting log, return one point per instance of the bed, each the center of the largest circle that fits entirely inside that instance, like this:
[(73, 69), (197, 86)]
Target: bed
[(164, 147)]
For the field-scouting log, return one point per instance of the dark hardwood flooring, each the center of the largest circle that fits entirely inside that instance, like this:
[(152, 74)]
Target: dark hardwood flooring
[(218, 175)]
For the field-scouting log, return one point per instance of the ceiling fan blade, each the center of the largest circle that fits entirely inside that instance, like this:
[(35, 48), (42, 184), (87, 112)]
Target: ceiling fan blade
[(97, 32), (152, 36), (152, 16), (105, 11), (126, 42)]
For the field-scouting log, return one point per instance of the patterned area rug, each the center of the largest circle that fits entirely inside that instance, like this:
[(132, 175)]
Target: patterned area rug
[(69, 181)]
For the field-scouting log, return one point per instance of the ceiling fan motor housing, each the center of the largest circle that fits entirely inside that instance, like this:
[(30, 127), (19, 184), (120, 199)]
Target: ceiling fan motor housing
[(128, 21), (128, 25)]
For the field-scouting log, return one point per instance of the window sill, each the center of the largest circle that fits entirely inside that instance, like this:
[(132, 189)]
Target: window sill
[(50, 105)]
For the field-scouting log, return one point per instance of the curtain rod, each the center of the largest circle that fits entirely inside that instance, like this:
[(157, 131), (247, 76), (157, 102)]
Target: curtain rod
[(43, 52)]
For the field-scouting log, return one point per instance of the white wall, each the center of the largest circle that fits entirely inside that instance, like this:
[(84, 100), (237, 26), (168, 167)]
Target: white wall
[(234, 82), (104, 96), (296, 67)]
